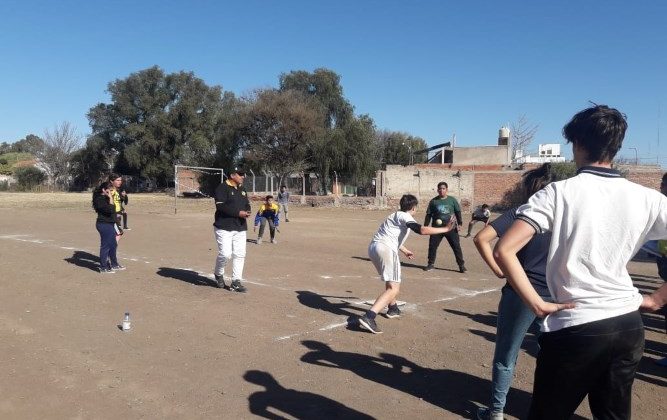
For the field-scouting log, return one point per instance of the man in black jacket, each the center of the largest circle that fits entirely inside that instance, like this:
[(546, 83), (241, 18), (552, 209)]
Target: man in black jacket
[(232, 208)]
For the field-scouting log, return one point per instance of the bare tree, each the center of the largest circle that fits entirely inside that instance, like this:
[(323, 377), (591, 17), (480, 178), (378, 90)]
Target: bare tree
[(522, 133), (59, 144)]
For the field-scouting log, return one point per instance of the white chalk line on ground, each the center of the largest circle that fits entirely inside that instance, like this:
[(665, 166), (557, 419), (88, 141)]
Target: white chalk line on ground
[(412, 306), (459, 292)]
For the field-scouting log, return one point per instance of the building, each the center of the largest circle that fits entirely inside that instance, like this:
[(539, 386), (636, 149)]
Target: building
[(449, 154), (549, 152)]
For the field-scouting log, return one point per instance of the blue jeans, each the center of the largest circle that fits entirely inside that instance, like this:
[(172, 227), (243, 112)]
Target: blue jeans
[(514, 320), (108, 244)]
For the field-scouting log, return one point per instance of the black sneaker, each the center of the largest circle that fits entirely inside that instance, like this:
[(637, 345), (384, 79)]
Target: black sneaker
[(117, 267), (369, 324), (393, 312), (429, 267), (237, 287), (220, 282), (106, 271), (462, 269)]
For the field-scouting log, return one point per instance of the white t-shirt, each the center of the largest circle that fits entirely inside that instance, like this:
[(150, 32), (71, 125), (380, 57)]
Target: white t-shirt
[(598, 221), (394, 230)]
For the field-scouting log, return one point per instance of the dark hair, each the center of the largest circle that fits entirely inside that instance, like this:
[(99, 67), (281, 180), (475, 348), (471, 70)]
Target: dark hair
[(485, 206), (113, 176), (598, 130), (408, 202), (664, 178), (440, 184), (268, 196), (283, 186), (98, 191), (536, 179)]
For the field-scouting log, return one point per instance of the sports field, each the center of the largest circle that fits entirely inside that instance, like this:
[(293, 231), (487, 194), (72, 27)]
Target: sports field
[(283, 350)]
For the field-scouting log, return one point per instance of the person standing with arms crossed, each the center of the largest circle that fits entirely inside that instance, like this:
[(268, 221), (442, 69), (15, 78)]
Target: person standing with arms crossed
[(232, 209), (440, 210)]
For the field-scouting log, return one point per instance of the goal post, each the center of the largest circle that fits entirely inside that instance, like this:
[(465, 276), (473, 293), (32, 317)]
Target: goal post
[(188, 181)]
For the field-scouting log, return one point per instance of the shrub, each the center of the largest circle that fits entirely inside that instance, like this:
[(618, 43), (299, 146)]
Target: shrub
[(28, 177)]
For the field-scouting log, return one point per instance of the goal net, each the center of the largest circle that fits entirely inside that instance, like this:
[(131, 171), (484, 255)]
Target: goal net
[(195, 181)]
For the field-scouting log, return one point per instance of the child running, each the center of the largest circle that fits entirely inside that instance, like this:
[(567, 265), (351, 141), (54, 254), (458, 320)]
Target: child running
[(383, 252)]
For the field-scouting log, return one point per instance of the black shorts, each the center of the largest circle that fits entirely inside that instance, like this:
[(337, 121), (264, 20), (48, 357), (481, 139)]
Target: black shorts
[(480, 219)]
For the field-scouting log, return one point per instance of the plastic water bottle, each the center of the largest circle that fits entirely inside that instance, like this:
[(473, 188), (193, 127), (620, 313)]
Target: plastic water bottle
[(126, 322)]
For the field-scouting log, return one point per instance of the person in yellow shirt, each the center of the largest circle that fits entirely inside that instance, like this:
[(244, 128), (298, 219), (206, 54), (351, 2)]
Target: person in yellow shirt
[(116, 182), (268, 212)]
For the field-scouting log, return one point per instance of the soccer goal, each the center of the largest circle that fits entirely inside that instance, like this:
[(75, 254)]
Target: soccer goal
[(191, 181)]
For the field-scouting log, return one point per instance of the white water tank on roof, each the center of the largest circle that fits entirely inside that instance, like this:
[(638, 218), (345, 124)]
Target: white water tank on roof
[(503, 136)]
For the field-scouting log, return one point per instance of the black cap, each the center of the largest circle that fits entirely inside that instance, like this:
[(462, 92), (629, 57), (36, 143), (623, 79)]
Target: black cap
[(237, 170)]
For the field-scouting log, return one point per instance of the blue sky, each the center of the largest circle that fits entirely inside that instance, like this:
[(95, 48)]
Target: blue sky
[(429, 68)]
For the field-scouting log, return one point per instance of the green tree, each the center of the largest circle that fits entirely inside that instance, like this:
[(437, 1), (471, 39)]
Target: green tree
[(28, 177), (5, 148), (278, 128), (156, 120), (398, 148), (30, 144), (343, 146), (90, 164)]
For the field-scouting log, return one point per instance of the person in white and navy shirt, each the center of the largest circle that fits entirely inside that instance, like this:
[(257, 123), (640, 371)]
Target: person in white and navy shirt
[(383, 253), (593, 336)]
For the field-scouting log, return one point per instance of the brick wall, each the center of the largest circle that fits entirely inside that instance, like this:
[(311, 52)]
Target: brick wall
[(491, 187), (474, 186)]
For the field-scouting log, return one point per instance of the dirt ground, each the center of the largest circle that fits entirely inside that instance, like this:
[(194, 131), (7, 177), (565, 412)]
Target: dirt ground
[(283, 350)]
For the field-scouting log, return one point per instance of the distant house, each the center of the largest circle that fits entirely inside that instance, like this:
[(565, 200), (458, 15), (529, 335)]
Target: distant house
[(545, 153)]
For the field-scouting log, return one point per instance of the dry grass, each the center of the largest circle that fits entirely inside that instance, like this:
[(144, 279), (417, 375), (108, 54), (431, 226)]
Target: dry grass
[(160, 203)]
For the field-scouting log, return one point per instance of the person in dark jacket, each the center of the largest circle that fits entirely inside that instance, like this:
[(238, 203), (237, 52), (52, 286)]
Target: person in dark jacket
[(232, 208), (103, 204)]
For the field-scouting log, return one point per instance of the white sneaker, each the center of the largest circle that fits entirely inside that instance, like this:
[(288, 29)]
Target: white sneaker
[(273, 241), (259, 241), (487, 414)]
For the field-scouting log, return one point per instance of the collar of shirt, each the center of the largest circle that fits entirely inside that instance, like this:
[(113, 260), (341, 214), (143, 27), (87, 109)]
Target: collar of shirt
[(599, 171)]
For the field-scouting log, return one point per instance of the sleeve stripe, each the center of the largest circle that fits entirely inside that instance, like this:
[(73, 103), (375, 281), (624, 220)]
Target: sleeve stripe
[(531, 222), (414, 226)]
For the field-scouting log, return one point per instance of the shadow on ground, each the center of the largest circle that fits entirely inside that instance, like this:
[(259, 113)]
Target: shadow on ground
[(188, 276), (85, 260), (457, 392), (321, 302), (298, 404)]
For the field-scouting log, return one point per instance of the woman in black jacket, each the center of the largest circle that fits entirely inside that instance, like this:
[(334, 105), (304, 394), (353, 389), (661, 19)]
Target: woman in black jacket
[(106, 226)]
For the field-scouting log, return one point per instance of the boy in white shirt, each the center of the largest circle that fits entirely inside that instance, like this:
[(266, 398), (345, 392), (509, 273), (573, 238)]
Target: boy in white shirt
[(593, 336), (383, 252)]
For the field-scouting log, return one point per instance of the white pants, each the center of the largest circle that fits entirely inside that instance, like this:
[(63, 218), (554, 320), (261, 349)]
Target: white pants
[(231, 245)]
